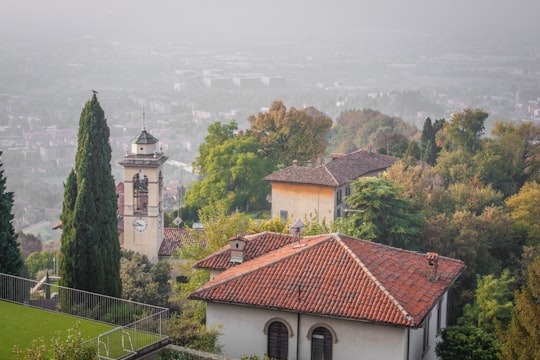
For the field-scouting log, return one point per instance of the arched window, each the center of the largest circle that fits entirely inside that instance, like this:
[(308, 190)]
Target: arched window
[(321, 344), (278, 341), (140, 193)]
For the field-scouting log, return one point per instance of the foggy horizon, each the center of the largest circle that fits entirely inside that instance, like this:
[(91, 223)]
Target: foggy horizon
[(258, 21)]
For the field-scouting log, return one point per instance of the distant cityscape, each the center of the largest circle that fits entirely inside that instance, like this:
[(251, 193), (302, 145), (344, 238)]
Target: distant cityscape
[(176, 91)]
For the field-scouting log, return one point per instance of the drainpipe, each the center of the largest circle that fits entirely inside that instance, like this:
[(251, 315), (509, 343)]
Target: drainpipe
[(408, 343), (297, 336)]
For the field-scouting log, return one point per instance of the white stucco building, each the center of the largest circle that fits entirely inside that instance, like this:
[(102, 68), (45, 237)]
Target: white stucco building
[(326, 297)]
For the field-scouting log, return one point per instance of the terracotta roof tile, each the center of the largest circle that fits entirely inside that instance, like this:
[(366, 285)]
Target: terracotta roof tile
[(256, 245), (339, 171), (173, 239), (338, 276)]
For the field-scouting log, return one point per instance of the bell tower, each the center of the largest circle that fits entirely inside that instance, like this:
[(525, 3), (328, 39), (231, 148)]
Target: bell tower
[(143, 196)]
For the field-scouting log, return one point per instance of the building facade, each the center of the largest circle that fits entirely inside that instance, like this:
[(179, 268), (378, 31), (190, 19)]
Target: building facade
[(326, 297), (305, 192), (143, 196)]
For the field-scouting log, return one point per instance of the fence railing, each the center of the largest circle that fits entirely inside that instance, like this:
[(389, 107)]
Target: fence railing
[(137, 325)]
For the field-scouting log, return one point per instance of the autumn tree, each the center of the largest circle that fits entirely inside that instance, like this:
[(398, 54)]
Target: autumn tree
[(11, 261), (511, 157), (524, 209), (421, 185), (90, 250), (358, 129), (29, 243), (523, 335), (286, 135)]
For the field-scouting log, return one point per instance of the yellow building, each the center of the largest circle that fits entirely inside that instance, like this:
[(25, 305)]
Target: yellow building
[(306, 191)]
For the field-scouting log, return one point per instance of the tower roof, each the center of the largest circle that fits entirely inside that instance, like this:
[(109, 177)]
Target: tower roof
[(144, 138)]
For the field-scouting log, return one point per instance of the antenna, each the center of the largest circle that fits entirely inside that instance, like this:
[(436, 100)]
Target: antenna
[(143, 118)]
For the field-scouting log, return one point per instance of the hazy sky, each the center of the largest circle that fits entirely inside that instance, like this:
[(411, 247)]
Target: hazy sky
[(197, 20)]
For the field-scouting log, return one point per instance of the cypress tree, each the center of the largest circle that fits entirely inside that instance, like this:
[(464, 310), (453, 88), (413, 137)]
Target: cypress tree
[(90, 251), (11, 261), (428, 149)]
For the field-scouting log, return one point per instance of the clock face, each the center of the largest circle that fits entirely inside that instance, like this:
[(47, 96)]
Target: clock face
[(140, 224)]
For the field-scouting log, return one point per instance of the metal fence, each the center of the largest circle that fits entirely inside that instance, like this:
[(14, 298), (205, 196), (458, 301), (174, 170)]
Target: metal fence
[(138, 326)]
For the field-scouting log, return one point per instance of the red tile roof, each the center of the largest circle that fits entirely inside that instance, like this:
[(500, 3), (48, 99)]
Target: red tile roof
[(173, 239), (256, 245), (338, 276), (337, 172)]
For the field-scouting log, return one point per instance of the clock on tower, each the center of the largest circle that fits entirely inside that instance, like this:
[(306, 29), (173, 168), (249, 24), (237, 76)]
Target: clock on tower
[(143, 196)]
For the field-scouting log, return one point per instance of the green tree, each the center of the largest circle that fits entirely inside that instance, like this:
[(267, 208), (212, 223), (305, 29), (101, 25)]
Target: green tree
[(37, 261), (523, 336), (11, 261), (217, 134), (187, 328), (381, 214), (493, 304), (284, 136), (428, 145), (467, 343), (143, 281), (233, 174), (90, 250), (466, 128)]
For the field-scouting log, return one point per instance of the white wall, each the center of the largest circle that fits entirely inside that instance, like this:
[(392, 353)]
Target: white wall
[(242, 329)]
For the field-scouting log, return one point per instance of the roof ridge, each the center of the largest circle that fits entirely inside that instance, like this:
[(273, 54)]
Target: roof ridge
[(405, 313), (331, 174)]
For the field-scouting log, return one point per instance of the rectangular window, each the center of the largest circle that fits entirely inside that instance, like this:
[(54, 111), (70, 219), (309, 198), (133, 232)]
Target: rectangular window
[(439, 316), (284, 215), (425, 342), (338, 197), (317, 347)]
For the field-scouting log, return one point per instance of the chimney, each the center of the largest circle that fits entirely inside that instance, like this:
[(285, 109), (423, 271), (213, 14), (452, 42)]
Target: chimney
[(294, 162), (310, 163), (237, 249), (432, 264)]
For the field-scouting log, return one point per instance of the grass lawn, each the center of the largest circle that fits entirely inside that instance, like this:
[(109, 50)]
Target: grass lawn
[(21, 324)]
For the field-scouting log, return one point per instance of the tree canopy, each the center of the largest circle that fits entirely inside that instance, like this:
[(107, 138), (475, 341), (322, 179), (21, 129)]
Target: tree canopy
[(523, 336), (358, 129), (11, 261), (286, 135), (90, 249), (231, 169), (380, 214), (467, 343)]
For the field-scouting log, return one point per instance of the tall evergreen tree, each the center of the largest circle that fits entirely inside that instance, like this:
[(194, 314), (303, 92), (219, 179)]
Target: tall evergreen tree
[(90, 251), (11, 261)]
